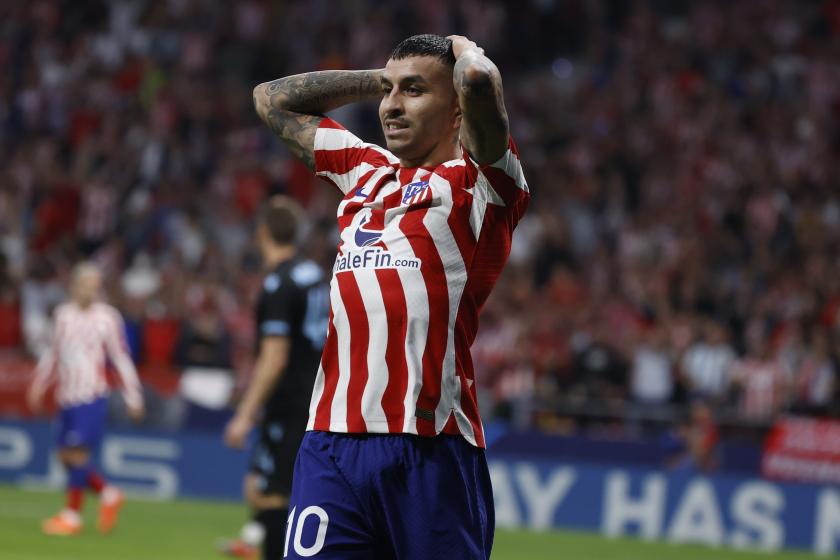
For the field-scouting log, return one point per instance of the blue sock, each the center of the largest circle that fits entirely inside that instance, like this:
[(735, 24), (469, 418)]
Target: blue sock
[(78, 476)]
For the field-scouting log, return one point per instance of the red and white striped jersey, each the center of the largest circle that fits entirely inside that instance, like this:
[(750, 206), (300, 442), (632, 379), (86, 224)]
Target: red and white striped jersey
[(764, 387), (420, 251), (75, 360)]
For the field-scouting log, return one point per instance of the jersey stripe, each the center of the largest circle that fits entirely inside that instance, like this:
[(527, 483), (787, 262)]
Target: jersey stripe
[(329, 366), (420, 250), (395, 308), (374, 307), (340, 406), (355, 351), (437, 223), (317, 396), (438, 304)]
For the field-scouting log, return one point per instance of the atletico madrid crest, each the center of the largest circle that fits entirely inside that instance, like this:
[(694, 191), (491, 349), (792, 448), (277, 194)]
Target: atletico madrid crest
[(416, 193)]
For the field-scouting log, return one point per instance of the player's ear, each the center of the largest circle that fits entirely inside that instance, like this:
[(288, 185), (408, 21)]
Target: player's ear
[(456, 121)]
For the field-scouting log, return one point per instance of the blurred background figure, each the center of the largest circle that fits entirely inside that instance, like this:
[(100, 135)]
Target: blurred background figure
[(707, 362), (204, 354), (291, 315), (86, 332), (699, 439)]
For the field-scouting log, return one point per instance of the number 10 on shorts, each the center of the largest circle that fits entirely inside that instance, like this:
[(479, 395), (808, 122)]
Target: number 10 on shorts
[(305, 549)]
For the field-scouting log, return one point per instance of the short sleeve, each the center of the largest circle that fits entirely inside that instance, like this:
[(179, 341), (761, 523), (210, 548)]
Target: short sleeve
[(278, 317), (503, 180), (343, 158)]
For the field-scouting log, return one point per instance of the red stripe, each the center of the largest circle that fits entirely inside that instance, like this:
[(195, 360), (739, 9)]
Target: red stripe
[(464, 366), (505, 185), (327, 122), (396, 313), (359, 336), (438, 297), (466, 323), (451, 426), (329, 362), (344, 160)]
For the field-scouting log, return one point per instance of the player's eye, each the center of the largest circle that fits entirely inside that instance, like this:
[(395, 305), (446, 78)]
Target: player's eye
[(411, 90)]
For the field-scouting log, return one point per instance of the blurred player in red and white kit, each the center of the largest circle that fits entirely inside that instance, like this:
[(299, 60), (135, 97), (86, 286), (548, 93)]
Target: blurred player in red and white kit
[(393, 464), (86, 332)]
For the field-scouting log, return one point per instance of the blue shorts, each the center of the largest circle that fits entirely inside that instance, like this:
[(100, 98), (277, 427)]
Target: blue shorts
[(82, 425), (379, 496)]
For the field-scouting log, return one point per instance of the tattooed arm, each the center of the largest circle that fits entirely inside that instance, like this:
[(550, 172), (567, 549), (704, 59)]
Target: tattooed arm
[(484, 124), (293, 107)]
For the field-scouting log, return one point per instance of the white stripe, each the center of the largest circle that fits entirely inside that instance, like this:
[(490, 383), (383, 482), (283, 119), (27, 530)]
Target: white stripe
[(377, 342), (477, 210), (317, 393), (335, 139), (436, 222), (482, 194), (417, 309), (417, 306), (366, 188), (511, 165), (347, 181), (338, 413), (463, 421), (342, 139)]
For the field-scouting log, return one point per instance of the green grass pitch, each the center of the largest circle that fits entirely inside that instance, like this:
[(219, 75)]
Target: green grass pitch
[(189, 530)]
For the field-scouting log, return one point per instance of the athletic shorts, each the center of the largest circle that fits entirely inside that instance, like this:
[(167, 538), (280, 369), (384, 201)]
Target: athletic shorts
[(273, 458), (82, 425), (390, 496)]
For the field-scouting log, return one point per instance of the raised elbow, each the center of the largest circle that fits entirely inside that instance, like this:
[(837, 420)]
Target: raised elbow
[(260, 99), (477, 79)]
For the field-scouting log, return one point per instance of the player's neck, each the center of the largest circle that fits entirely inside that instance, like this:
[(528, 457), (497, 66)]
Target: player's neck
[(273, 256), (442, 152)]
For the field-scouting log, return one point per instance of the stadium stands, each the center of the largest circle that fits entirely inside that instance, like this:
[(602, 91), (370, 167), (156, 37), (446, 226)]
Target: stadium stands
[(684, 238)]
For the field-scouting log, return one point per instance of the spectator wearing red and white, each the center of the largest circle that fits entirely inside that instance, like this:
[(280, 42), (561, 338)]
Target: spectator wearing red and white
[(762, 381)]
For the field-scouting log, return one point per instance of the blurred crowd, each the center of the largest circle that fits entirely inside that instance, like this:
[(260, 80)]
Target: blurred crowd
[(683, 243)]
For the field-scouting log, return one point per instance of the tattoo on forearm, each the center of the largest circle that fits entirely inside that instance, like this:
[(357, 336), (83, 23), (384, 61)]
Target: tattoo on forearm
[(297, 131), (484, 129), (292, 106), (318, 92)]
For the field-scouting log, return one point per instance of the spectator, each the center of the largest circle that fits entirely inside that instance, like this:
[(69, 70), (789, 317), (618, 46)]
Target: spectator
[(707, 362), (651, 375), (815, 380), (203, 352), (761, 381)]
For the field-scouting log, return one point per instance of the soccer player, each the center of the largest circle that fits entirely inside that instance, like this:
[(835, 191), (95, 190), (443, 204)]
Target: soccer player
[(393, 464), (85, 331), (291, 317)]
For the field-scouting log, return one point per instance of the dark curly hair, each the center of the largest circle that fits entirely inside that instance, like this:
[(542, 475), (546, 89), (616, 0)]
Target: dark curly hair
[(425, 45)]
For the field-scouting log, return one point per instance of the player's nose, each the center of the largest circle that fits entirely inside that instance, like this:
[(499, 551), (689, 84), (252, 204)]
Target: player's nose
[(391, 105)]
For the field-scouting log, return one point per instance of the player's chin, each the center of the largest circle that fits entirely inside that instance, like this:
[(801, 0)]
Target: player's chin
[(397, 146)]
